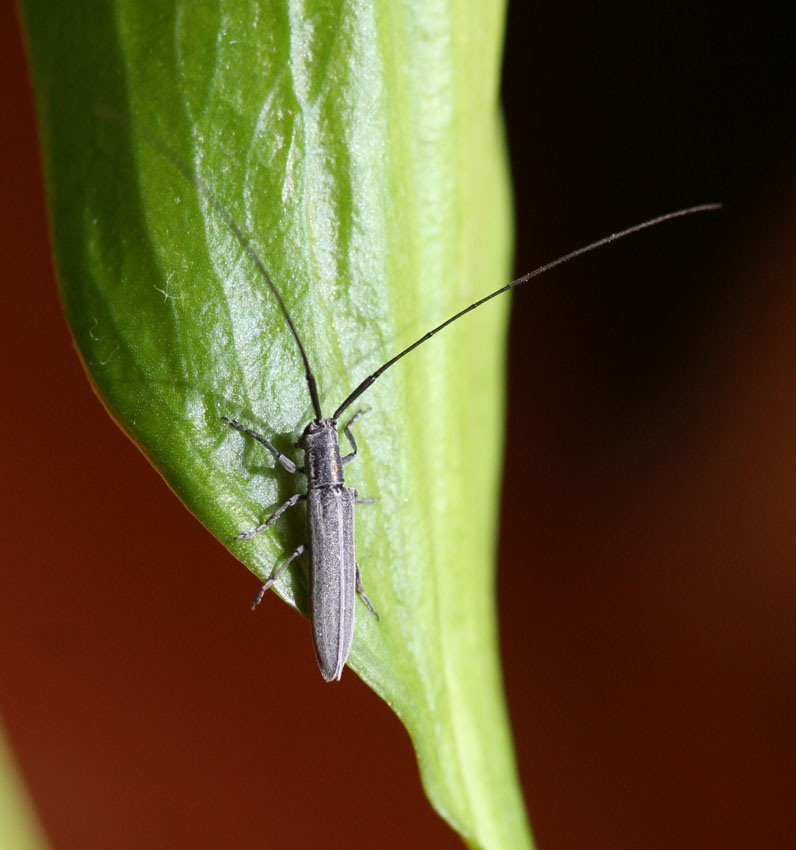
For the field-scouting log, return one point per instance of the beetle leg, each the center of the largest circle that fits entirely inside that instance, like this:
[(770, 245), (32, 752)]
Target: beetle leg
[(273, 518), (363, 596), (359, 501), (275, 575), (285, 461), (348, 432)]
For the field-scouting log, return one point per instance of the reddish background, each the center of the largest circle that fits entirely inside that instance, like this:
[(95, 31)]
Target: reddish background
[(647, 581)]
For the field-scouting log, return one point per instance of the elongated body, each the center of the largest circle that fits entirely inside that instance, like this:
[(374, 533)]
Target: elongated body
[(330, 533), (334, 573)]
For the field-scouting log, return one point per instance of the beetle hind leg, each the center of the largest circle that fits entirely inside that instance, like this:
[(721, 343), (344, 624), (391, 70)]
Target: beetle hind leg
[(363, 596), (275, 575)]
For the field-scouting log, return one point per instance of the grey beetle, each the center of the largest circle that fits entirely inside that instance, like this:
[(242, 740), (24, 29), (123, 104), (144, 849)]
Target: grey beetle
[(335, 578)]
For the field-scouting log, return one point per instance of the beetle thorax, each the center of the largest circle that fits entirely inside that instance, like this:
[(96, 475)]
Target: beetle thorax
[(322, 462)]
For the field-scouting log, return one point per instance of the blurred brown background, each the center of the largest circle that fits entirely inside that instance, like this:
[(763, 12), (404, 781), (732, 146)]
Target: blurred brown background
[(648, 553)]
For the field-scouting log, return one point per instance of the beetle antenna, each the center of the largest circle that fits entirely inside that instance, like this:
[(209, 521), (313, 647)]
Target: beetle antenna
[(515, 283), (245, 243), (247, 246)]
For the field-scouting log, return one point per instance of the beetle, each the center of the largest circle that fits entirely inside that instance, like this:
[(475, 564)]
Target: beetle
[(335, 578), (334, 574)]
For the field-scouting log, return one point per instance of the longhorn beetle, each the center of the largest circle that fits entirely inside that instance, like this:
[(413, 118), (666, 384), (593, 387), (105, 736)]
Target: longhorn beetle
[(335, 578), (334, 572)]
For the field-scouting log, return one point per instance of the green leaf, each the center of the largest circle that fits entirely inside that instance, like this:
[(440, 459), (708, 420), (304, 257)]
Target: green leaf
[(359, 145)]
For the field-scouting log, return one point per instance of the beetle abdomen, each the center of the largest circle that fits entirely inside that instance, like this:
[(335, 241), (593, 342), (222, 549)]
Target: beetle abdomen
[(330, 524)]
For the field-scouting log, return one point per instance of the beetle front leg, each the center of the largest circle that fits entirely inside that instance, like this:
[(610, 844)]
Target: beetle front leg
[(356, 417), (285, 461)]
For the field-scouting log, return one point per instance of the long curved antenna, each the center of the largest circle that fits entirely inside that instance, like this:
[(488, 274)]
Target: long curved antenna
[(247, 246), (520, 280)]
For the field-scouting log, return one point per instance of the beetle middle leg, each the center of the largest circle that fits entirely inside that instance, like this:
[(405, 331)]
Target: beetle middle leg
[(293, 500), (275, 575), (363, 596)]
